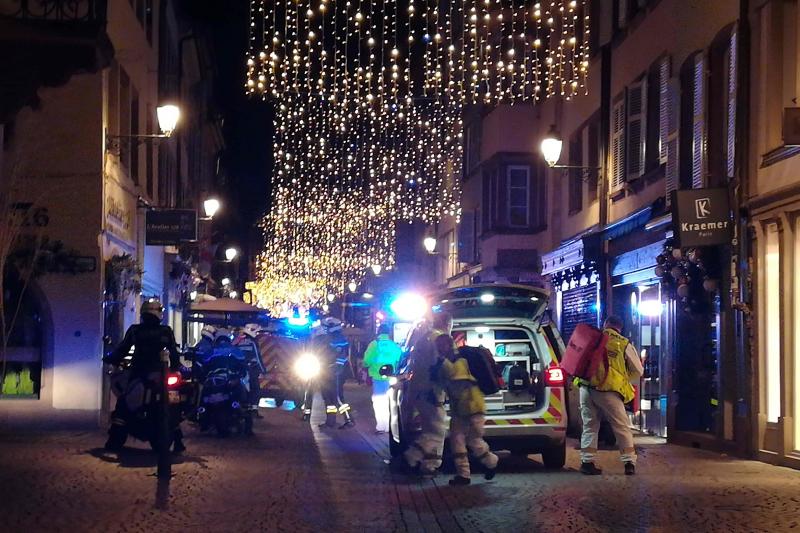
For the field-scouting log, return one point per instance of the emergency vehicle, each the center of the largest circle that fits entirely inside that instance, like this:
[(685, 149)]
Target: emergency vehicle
[(528, 415)]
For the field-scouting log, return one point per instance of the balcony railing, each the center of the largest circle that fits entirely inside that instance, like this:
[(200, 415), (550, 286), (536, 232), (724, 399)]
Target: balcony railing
[(55, 10)]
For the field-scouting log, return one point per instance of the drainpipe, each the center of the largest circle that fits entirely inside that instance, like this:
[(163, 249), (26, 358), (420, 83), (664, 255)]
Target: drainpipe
[(605, 142), (741, 283)]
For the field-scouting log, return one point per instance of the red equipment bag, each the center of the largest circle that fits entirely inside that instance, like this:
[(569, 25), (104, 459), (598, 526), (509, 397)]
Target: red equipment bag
[(586, 350)]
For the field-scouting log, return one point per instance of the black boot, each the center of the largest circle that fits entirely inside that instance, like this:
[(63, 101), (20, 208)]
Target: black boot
[(630, 468), (590, 470), (117, 435), (459, 481), (330, 421)]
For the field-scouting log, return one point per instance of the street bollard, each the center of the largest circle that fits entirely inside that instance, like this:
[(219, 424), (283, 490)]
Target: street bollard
[(164, 470)]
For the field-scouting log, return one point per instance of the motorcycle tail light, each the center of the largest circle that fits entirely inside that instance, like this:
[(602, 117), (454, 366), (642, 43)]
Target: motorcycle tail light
[(173, 379)]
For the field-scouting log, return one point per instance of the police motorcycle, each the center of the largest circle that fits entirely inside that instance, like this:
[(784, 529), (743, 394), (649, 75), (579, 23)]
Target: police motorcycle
[(141, 399), (225, 401)]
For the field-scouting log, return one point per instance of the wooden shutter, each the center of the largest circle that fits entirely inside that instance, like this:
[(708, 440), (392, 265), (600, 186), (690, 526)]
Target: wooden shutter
[(636, 130), (672, 172), (663, 108), (730, 124), (699, 122), (593, 157), (617, 145)]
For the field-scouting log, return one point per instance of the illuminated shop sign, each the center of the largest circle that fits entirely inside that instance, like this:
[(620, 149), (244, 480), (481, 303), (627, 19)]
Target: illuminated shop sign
[(702, 217)]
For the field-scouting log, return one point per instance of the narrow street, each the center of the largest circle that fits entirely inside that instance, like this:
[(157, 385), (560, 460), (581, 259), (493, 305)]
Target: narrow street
[(293, 477)]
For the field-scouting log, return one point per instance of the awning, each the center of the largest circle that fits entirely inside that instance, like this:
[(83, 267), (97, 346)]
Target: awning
[(223, 305), (628, 224), (572, 252)]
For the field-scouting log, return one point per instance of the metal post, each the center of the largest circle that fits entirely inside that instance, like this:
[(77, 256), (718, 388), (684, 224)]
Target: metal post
[(164, 470)]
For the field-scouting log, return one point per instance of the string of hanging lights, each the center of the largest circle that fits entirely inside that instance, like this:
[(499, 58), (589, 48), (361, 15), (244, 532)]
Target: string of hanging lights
[(368, 126)]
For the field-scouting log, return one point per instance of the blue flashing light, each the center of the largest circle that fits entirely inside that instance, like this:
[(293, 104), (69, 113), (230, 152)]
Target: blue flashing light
[(298, 321)]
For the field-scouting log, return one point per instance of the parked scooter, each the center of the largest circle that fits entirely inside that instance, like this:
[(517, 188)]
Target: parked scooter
[(142, 397), (225, 397)]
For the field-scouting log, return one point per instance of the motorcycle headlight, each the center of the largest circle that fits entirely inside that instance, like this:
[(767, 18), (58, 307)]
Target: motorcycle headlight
[(307, 366)]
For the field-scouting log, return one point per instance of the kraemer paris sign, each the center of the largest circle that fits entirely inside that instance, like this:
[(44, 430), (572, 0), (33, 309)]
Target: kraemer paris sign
[(170, 226), (702, 217)]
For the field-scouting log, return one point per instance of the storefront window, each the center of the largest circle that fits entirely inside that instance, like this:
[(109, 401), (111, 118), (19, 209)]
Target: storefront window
[(772, 318), (22, 364)]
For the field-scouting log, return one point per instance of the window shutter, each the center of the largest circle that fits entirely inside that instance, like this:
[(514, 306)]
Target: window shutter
[(617, 145), (593, 157), (673, 123), (466, 237), (730, 130), (663, 108), (636, 129), (698, 122)]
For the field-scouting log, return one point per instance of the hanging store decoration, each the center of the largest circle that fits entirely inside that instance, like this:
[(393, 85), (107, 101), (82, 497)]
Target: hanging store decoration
[(690, 275), (384, 51), (368, 130)]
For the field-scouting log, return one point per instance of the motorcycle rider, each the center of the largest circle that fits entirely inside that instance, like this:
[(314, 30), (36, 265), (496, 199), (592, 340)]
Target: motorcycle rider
[(331, 346), (147, 339), (427, 395)]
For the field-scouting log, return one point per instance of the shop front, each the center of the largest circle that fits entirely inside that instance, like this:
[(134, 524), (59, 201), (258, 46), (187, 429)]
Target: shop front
[(776, 383)]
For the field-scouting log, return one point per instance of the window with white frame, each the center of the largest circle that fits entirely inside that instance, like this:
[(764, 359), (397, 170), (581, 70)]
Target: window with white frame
[(772, 316), (519, 178)]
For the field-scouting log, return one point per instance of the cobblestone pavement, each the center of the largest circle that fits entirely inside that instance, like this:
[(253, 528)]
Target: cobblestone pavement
[(294, 477)]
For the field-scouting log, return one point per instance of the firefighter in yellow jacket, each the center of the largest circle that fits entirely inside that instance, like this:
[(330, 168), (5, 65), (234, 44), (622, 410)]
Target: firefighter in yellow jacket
[(608, 392), (467, 414)]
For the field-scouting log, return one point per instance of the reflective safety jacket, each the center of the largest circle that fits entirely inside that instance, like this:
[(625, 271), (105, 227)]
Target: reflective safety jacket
[(381, 351), (466, 399), (617, 378)]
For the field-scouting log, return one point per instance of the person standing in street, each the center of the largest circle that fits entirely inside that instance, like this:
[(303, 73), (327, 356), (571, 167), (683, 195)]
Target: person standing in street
[(467, 414), (607, 392), (382, 351), (331, 345), (427, 395)]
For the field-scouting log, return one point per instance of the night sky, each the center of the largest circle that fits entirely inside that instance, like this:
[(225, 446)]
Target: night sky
[(247, 121)]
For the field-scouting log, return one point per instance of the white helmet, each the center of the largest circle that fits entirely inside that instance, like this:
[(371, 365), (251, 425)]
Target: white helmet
[(209, 332), (151, 306), (251, 330)]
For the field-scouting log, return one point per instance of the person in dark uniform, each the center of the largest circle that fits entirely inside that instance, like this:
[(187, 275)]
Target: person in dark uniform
[(147, 339), (332, 348)]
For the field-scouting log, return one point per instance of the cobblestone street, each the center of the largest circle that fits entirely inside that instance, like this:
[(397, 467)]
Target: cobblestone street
[(293, 477)]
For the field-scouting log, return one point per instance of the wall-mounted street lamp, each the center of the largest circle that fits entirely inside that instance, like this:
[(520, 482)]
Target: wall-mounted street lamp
[(226, 282), (168, 116), (430, 244), (376, 269), (231, 253), (352, 286), (210, 208), (551, 151)]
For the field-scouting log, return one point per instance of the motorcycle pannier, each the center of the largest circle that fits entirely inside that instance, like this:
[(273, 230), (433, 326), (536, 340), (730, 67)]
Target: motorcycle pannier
[(482, 367), (586, 350)]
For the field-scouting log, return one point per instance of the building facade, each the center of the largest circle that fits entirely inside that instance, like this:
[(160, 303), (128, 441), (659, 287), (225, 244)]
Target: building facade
[(660, 115), (76, 171)]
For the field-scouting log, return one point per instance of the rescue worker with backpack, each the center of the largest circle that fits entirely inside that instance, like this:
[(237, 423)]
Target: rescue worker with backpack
[(607, 391), (382, 351), (427, 395), (467, 413)]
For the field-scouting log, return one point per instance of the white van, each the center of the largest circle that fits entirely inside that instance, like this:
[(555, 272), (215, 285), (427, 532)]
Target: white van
[(529, 414)]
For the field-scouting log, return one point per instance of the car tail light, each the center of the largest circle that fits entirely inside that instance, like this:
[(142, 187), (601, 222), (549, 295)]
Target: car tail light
[(554, 376), (173, 379)]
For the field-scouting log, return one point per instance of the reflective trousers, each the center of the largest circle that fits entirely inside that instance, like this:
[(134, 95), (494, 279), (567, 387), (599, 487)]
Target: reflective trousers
[(332, 389), (426, 450), (466, 432), (609, 403), (380, 404)]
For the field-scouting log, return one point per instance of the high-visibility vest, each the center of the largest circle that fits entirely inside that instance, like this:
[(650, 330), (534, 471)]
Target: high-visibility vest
[(616, 379)]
